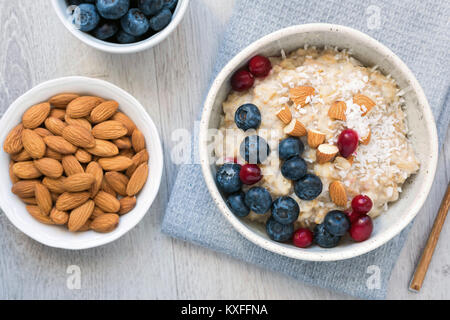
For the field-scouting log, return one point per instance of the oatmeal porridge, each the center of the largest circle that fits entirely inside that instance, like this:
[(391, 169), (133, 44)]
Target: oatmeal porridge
[(316, 95)]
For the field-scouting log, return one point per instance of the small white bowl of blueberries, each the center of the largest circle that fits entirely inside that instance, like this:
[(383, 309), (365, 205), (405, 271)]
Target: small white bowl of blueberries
[(121, 26)]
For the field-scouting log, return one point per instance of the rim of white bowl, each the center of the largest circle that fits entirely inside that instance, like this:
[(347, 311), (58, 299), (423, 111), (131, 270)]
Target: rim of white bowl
[(156, 175), (356, 249), (117, 48)]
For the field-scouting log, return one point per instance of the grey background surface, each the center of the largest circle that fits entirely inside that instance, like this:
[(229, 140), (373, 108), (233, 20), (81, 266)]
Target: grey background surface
[(170, 81)]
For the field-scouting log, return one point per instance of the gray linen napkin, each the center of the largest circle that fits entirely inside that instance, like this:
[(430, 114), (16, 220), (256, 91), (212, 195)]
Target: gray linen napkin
[(414, 31)]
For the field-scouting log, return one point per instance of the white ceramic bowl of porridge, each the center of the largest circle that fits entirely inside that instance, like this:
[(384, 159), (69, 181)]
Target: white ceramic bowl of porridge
[(404, 202)]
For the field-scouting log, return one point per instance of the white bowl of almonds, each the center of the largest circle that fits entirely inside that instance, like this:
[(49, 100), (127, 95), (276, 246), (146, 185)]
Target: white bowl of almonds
[(318, 143), (85, 162)]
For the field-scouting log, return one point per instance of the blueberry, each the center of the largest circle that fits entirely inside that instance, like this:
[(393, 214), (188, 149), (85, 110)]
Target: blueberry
[(325, 239), (85, 17), (279, 232), (124, 38), (227, 178), (336, 223), (105, 30), (247, 117), (134, 22), (170, 4), (258, 199), (285, 210), (254, 149), (113, 9), (236, 203), (78, 2), (290, 147), (294, 168), (151, 7), (309, 187), (161, 20)]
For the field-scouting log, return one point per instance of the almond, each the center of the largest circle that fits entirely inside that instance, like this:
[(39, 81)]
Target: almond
[(78, 182), (71, 165), (338, 194), (103, 148), (35, 115), (299, 94), (337, 110), (129, 153), (117, 163), (83, 156), (42, 132), (33, 144), (95, 169), (85, 227), (79, 136), (366, 139), (30, 201), (12, 175), (342, 163), (13, 141), (82, 106), (315, 138), (126, 121), (43, 198), (137, 180), (138, 140), (36, 213), (362, 100), (79, 216), (284, 114), (127, 204), (62, 100), (21, 156), (49, 153), (107, 188), (24, 188), (295, 128), (351, 159), (59, 144), (54, 185), (49, 167), (105, 223), (138, 158), (117, 181), (104, 111), (82, 122), (123, 143), (326, 153), (59, 217), (55, 125), (26, 170), (58, 114), (107, 202), (97, 212), (109, 130), (70, 200)]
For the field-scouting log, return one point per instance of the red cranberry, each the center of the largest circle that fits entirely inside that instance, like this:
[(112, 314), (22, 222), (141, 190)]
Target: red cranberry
[(352, 215), (259, 66), (361, 229), (250, 174), (347, 142), (361, 204), (242, 80), (302, 238)]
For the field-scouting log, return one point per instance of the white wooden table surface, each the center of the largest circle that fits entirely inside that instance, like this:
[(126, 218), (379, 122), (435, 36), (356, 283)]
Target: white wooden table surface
[(170, 81)]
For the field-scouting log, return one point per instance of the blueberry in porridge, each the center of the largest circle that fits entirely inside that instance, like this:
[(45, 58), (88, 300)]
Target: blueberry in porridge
[(317, 131)]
